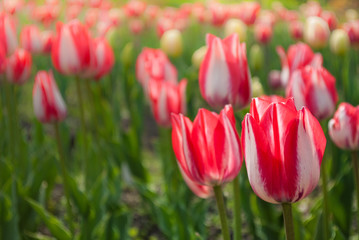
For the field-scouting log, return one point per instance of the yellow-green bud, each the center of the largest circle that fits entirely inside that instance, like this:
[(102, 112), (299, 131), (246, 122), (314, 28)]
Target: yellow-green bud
[(127, 54), (257, 88), (256, 57), (339, 42), (236, 26), (198, 56), (171, 43)]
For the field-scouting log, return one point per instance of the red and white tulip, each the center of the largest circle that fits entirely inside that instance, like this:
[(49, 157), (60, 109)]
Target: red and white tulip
[(18, 67), (8, 38), (31, 39)]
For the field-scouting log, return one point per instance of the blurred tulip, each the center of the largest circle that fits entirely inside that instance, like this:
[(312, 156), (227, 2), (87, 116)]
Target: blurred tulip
[(263, 32), (316, 32), (224, 76), (257, 88), (154, 64), (274, 79), (8, 38), (298, 56), (330, 18), (314, 87), (296, 30), (339, 42), (2, 60), (247, 12), (218, 13), (236, 26), (104, 58), (283, 150), (256, 57), (135, 8), (311, 8), (208, 150), (47, 100), (171, 43), (167, 98), (18, 67), (352, 28), (127, 56), (344, 127), (47, 39), (12, 6), (31, 39), (198, 56), (136, 26), (72, 49)]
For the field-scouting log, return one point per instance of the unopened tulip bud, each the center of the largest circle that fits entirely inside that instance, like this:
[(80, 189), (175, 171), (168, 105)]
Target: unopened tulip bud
[(257, 88), (351, 14), (18, 67), (198, 56), (236, 26), (256, 57), (171, 42), (316, 32), (339, 42), (274, 79), (127, 54)]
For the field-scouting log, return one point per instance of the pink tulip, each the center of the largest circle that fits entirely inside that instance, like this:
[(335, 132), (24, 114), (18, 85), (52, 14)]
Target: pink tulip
[(218, 13), (18, 67), (344, 127), (208, 150), (8, 38), (72, 49), (201, 191), (296, 30), (330, 18), (263, 32), (104, 58), (224, 76), (135, 8), (47, 39), (352, 28), (298, 56), (314, 87), (283, 150), (47, 100), (2, 60), (31, 39), (246, 11), (274, 79), (316, 32), (136, 26), (167, 98)]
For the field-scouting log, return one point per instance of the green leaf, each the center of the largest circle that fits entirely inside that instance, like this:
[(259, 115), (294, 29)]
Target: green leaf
[(55, 226), (78, 197)]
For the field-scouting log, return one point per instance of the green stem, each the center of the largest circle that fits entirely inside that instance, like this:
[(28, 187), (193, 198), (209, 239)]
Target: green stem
[(237, 209), (11, 120), (288, 221), (64, 176), (356, 177), (83, 127), (325, 203), (222, 212)]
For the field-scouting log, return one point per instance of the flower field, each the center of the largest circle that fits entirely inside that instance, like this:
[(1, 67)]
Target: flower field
[(171, 120)]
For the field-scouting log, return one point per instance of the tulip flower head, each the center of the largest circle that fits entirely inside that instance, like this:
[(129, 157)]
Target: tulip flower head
[(314, 87), (18, 67), (263, 32), (236, 26), (207, 150), (224, 76), (339, 42), (316, 32), (8, 37), (31, 39), (47, 100), (352, 28), (72, 48), (167, 98), (2, 60), (283, 149), (104, 57), (344, 127), (171, 43)]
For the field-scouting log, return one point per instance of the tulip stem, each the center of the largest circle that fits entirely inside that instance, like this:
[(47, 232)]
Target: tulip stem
[(222, 212), (64, 176), (325, 203), (237, 210), (288, 221), (11, 122), (83, 126), (356, 176)]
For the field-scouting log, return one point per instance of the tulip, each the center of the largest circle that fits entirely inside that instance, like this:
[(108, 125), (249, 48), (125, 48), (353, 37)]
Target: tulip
[(274, 79), (330, 18), (167, 98), (135, 8), (198, 56), (201, 191), (339, 42), (208, 150), (283, 149), (314, 87), (47, 39), (256, 57), (136, 26), (257, 87), (344, 127), (18, 67), (296, 30), (236, 26), (316, 32), (47, 100), (218, 13), (8, 37), (72, 52), (104, 58), (298, 56), (352, 28), (351, 14), (263, 32), (31, 39), (224, 76), (2, 60), (247, 12), (171, 43), (154, 64)]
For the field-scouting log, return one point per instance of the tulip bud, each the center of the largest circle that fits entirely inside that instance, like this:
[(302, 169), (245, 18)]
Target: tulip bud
[(236, 26), (274, 79), (104, 58), (339, 42), (257, 88), (256, 57), (47, 100), (263, 32), (316, 32), (127, 54), (283, 148), (31, 39), (18, 67), (198, 56), (47, 38), (171, 43), (8, 37)]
